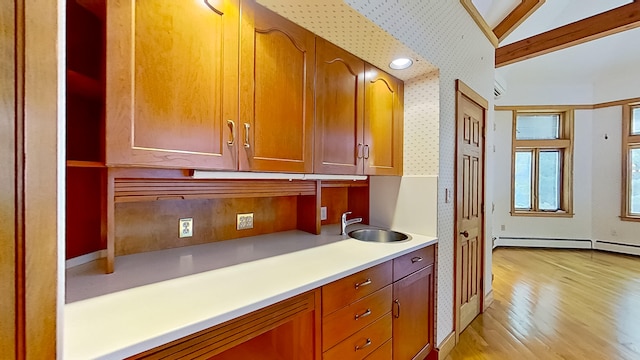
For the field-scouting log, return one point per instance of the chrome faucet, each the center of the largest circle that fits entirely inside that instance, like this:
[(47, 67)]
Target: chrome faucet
[(344, 222)]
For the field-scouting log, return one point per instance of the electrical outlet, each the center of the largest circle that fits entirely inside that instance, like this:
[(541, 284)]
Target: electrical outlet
[(503, 228), (186, 228), (323, 213), (244, 221)]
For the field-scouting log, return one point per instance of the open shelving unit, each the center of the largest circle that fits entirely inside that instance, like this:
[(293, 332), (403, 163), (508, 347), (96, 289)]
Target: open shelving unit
[(85, 106)]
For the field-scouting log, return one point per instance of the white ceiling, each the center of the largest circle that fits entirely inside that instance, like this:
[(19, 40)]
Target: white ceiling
[(585, 63), (339, 23)]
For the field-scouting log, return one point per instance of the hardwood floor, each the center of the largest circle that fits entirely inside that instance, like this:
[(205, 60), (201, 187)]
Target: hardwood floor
[(558, 304)]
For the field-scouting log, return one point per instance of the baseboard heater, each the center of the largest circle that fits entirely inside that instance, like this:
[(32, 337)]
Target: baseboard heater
[(617, 247), (543, 243)]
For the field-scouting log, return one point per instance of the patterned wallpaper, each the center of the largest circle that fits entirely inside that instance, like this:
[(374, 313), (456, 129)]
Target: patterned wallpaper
[(421, 124), (342, 25), (440, 32)]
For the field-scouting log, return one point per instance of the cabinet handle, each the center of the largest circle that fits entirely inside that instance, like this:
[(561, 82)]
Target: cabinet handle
[(416, 259), (364, 283), (232, 125), (368, 343), (397, 302), (366, 151), (247, 126), (360, 152), (364, 314)]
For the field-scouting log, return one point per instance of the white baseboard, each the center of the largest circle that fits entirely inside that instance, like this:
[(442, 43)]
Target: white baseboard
[(617, 247), (446, 346), (488, 300), (83, 259), (543, 243)]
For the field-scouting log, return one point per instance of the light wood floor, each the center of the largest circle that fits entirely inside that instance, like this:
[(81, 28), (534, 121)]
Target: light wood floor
[(558, 304)]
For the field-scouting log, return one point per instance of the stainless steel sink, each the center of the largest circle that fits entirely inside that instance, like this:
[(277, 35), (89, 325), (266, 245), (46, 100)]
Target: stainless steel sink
[(379, 235)]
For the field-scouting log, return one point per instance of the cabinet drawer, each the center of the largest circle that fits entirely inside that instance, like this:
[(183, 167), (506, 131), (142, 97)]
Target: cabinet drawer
[(412, 262), (345, 291), (364, 342), (348, 320), (384, 352)]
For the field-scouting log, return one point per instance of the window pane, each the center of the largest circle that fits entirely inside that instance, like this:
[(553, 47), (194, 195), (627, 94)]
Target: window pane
[(635, 121), (635, 181), (549, 182), (534, 127), (523, 180)]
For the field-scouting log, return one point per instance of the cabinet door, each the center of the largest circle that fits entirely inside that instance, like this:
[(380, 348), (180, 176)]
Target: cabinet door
[(413, 314), (276, 77), (172, 83), (339, 110), (383, 118)]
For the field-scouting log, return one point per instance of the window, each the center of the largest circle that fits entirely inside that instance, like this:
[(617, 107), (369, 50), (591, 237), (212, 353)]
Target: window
[(631, 163), (542, 163)]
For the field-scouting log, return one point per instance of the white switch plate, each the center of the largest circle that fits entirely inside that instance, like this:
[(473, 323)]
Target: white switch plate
[(244, 221), (186, 228), (323, 213)]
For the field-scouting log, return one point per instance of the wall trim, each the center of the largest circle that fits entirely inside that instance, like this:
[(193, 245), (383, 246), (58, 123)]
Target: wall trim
[(598, 245), (488, 300), (505, 241), (628, 249), (567, 107), (86, 258), (446, 346)]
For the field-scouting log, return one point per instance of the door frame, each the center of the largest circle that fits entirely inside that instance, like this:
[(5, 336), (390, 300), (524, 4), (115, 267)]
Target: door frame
[(463, 89), (32, 211)]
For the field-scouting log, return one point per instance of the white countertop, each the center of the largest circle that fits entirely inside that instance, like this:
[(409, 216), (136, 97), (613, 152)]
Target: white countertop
[(124, 323)]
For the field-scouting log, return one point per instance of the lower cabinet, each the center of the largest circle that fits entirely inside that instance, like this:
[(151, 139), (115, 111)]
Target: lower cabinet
[(380, 313), (287, 330), (413, 315), (384, 312)]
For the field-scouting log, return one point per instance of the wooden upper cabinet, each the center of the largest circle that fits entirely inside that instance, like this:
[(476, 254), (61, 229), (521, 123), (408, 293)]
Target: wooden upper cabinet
[(383, 119), (276, 104), (339, 128), (172, 83)]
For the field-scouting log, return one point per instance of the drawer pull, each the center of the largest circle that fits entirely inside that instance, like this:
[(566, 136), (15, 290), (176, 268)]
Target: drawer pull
[(368, 343), (364, 314), (416, 259), (397, 302), (364, 283)]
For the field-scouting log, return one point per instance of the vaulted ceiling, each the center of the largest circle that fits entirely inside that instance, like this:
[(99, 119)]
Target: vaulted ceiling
[(560, 39)]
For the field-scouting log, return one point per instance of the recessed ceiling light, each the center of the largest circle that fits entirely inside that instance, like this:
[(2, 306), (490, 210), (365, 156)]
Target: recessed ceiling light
[(401, 63)]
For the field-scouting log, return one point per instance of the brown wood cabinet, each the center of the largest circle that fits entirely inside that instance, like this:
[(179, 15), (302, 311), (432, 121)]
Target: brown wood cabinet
[(172, 83), (354, 324), (356, 313), (413, 308), (288, 330), (339, 127), (276, 85), (359, 115), (383, 119)]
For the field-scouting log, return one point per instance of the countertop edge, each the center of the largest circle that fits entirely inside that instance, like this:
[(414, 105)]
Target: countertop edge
[(188, 329)]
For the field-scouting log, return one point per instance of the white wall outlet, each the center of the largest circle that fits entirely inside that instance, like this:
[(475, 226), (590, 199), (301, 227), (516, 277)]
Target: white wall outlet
[(244, 221), (503, 227), (323, 213), (186, 228)]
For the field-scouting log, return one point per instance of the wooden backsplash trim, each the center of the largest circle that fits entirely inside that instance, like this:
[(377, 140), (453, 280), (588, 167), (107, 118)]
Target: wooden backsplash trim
[(131, 190), (344, 183)]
